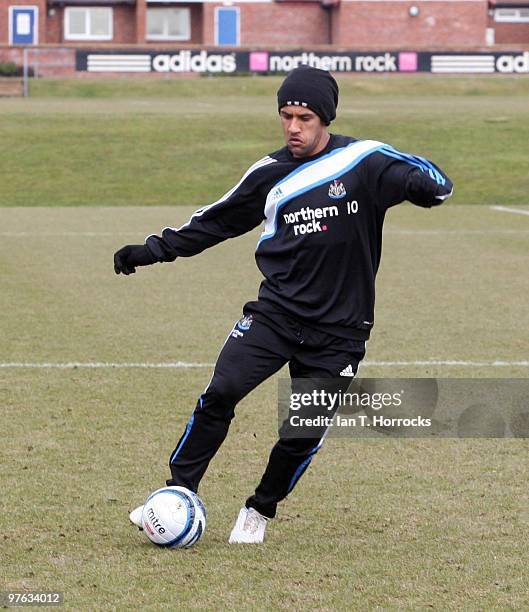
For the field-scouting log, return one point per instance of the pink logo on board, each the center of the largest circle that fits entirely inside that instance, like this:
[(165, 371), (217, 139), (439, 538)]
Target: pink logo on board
[(259, 61), (408, 62)]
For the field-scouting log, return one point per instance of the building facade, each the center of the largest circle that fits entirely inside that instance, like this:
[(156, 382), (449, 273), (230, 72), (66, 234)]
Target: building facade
[(340, 24)]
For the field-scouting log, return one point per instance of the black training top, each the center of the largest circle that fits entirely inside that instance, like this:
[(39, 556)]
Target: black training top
[(321, 243)]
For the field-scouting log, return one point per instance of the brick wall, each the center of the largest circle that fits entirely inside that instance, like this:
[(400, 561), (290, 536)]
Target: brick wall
[(276, 25), (510, 33), (44, 61), (140, 20), (389, 24), (124, 24), (54, 26), (11, 54), (360, 24), (290, 23), (208, 24)]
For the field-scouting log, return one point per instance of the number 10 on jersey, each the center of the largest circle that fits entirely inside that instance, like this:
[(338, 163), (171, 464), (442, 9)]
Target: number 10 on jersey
[(352, 207)]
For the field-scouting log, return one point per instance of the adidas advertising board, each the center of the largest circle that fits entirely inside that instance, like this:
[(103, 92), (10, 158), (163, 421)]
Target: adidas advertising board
[(215, 61)]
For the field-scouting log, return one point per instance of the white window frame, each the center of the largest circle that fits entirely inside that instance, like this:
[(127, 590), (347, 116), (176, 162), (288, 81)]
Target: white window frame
[(10, 18), (68, 36), (185, 36), (511, 15)]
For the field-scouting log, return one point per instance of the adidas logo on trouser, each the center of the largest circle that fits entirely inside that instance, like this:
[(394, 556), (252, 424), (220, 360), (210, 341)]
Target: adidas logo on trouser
[(348, 371)]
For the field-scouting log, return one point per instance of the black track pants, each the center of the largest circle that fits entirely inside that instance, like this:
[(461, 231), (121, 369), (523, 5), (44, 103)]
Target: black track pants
[(257, 347)]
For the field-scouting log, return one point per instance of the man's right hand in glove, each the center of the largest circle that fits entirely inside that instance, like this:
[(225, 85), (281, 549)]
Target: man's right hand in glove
[(129, 257)]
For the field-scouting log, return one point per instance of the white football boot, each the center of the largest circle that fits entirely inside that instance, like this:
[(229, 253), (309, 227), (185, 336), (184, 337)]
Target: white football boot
[(249, 527), (135, 517)]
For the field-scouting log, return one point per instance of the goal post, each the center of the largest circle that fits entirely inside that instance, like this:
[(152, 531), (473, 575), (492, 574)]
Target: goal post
[(40, 62)]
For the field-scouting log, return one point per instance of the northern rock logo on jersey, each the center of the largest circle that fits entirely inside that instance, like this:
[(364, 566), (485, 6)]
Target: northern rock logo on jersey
[(312, 216), (337, 190), (315, 217)]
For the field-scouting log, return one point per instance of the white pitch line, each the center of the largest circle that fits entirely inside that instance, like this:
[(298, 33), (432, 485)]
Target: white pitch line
[(184, 364), (438, 232), (398, 232), (516, 211), (55, 234), (103, 364), (447, 362)]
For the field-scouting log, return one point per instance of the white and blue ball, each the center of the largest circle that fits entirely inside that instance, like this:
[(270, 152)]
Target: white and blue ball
[(174, 517)]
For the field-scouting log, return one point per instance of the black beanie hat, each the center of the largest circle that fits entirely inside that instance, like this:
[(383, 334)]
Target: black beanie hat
[(310, 87)]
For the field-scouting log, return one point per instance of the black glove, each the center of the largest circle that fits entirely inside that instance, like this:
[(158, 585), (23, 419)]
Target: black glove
[(424, 191), (130, 256)]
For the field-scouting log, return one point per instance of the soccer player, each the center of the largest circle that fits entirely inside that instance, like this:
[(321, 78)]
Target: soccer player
[(322, 199)]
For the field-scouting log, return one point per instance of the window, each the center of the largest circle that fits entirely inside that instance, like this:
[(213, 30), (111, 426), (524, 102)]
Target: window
[(88, 23), (511, 15), (168, 24)]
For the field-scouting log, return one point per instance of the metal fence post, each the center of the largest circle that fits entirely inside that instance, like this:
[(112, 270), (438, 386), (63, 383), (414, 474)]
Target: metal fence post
[(26, 73)]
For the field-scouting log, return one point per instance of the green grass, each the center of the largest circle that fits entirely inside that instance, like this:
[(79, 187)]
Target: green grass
[(104, 148), (374, 524), (376, 85)]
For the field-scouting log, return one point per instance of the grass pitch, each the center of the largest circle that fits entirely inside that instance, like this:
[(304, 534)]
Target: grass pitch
[(196, 140), (373, 524)]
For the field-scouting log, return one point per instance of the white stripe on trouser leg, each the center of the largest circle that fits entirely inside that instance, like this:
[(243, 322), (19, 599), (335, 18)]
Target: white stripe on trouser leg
[(192, 418), (306, 462)]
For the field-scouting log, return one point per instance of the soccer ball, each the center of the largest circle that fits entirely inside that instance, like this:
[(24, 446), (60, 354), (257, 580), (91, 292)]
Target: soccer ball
[(174, 517)]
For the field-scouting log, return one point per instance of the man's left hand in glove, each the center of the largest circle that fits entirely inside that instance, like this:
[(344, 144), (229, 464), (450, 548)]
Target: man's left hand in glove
[(130, 256)]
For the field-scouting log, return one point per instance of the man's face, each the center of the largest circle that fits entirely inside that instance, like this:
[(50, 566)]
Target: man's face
[(305, 133)]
